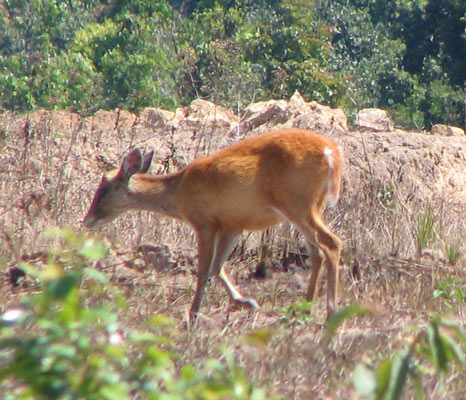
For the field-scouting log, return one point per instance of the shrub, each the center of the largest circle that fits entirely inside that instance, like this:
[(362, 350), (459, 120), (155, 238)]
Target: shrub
[(66, 342)]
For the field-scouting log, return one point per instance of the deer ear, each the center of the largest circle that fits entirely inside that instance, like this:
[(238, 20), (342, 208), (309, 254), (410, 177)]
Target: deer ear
[(146, 162), (131, 164)]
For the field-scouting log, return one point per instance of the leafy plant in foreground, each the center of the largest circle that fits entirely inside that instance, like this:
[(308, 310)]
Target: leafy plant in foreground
[(434, 350), (66, 342)]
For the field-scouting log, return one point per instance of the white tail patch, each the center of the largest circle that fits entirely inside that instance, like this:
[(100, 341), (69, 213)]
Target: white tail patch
[(332, 188)]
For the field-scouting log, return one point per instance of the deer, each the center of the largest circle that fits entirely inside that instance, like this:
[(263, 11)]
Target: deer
[(287, 175)]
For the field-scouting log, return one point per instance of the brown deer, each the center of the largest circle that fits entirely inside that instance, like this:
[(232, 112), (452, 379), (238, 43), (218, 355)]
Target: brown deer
[(259, 182)]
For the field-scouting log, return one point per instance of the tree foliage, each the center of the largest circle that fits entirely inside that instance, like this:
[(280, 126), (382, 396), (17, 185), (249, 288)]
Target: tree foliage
[(406, 56)]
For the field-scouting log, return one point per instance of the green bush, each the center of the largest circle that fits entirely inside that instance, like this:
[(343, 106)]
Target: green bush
[(435, 350), (65, 341)]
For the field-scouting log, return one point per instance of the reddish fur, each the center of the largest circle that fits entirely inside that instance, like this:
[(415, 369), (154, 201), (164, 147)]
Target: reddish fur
[(254, 184)]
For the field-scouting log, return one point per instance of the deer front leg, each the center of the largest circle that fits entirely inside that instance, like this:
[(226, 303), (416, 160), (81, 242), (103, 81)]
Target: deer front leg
[(206, 248), (225, 242)]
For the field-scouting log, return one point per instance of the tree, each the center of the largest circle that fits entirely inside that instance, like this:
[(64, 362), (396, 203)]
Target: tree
[(250, 50), (402, 56), (33, 37)]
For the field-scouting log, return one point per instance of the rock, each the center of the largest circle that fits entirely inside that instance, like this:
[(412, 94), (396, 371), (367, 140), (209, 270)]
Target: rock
[(374, 120), (157, 117), (321, 118), (202, 115), (256, 114), (102, 120), (125, 119), (446, 130), (295, 113), (297, 104), (206, 109), (212, 114)]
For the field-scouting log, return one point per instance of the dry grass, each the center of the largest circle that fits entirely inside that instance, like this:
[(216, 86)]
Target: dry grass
[(48, 174)]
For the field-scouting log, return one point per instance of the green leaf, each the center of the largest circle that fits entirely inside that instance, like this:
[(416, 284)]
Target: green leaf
[(115, 352), (259, 394), (399, 374), (29, 269), (116, 391), (161, 357), (61, 288), (456, 330), (453, 349), (63, 350), (93, 250), (159, 320), (344, 313), (384, 372), (96, 275), (437, 346), (144, 337), (417, 385), (51, 272), (188, 372), (63, 233)]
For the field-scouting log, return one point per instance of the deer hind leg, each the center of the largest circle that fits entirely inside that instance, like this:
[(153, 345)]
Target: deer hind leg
[(317, 259), (324, 246), (224, 246), (330, 245)]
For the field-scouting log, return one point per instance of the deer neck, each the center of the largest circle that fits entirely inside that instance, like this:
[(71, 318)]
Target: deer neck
[(155, 192)]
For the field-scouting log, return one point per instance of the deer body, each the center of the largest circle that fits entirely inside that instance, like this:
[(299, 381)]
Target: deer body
[(259, 182)]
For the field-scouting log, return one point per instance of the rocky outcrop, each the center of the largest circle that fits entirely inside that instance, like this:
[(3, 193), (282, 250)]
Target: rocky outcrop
[(295, 113), (374, 120), (446, 130)]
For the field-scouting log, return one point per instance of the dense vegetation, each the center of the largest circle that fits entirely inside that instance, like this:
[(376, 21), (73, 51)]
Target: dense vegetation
[(408, 56)]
